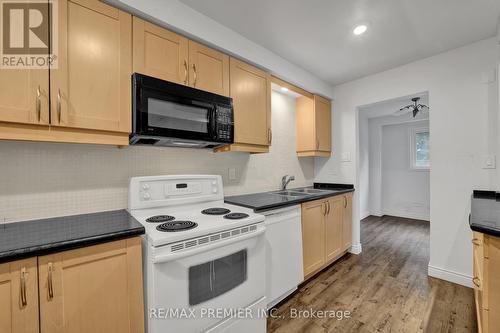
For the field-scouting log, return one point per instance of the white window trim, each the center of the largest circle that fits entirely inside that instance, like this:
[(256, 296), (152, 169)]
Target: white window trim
[(413, 133)]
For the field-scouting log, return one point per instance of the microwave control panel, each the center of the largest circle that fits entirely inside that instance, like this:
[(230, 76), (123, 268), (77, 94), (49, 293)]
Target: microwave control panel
[(224, 124)]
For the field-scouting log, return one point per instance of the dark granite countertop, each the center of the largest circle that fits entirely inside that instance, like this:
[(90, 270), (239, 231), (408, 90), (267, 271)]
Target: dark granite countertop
[(263, 201), (38, 237), (485, 212)]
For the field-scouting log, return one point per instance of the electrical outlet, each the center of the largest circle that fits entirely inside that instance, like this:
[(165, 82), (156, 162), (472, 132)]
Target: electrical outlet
[(346, 157)]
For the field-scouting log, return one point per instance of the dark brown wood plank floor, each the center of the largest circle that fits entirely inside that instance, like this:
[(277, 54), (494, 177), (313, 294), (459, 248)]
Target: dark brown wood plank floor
[(385, 288)]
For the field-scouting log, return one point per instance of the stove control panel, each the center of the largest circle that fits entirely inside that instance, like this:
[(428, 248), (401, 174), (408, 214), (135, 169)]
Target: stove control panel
[(165, 190)]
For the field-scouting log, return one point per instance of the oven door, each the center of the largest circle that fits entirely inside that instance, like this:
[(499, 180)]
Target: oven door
[(190, 293), (161, 114)]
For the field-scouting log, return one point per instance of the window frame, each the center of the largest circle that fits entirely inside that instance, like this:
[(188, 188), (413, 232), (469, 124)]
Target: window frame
[(413, 152)]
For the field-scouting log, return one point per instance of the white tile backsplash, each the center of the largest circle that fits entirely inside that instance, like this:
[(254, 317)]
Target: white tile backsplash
[(40, 180)]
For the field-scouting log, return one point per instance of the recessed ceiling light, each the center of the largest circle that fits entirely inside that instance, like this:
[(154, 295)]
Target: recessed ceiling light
[(284, 89), (360, 29)]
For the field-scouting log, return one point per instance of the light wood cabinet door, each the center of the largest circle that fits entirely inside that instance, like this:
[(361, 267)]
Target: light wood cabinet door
[(251, 94), (159, 52), (313, 236), (19, 296), (347, 222), (313, 126), (322, 114), (209, 69), (93, 289), (91, 87), (333, 228), (24, 96)]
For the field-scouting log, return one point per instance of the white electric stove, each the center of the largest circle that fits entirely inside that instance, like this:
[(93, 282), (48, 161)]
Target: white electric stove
[(204, 260)]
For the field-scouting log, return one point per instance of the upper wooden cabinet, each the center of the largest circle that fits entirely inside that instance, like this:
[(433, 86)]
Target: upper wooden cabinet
[(209, 69), (313, 124), (90, 85), (326, 231), (24, 96), (251, 93), (90, 89), (19, 296), (166, 55), (159, 52)]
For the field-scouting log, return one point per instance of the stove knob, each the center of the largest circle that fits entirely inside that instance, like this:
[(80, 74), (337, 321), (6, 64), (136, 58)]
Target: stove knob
[(145, 187), (146, 196)]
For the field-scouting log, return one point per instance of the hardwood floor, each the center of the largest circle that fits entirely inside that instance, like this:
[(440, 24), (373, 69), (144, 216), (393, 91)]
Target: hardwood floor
[(385, 288)]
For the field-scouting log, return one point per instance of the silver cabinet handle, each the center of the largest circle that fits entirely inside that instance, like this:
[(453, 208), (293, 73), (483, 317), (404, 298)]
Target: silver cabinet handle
[(328, 202), (50, 287), (195, 76), (345, 202), (185, 72), (38, 104), (59, 105), (24, 299)]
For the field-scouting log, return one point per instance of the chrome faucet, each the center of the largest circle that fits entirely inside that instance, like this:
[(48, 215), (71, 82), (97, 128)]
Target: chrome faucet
[(285, 180)]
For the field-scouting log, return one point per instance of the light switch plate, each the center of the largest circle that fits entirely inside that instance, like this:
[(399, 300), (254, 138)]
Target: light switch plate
[(346, 156), (489, 161), (232, 173)]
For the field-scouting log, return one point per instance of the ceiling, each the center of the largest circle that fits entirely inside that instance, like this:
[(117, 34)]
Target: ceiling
[(317, 34), (389, 107)]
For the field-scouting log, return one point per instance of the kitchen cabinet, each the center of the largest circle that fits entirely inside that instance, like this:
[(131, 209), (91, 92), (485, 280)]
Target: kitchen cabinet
[(313, 243), (486, 280), (347, 222), (24, 96), (326, 229), (19, 296), (165, 55), (209, 69), (90, 88), (250, 89), (90, 93), (159, 53), (313, 126), (91, 289), (333, 227)]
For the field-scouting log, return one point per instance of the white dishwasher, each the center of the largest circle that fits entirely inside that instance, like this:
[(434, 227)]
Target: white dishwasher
[(284, 263)]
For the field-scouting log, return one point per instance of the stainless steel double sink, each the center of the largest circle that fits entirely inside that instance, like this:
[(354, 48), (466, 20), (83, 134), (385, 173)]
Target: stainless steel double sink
[(300, 192)]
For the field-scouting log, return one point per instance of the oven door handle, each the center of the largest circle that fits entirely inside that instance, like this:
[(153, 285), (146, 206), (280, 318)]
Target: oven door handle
[(174, 256)]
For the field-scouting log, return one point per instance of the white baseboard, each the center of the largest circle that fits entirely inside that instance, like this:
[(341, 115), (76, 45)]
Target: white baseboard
[(408, 215), (447, 275), (355, 248), (364, 215)]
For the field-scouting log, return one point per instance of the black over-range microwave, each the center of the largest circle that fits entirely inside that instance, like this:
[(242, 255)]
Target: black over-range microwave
[(170, 114)]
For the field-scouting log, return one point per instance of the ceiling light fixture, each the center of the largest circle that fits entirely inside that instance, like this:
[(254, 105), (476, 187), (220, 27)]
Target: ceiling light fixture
[(360, 29), (284, 89)]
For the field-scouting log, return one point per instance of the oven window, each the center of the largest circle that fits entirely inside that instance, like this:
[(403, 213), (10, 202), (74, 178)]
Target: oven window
[(214, 278), (169, 115)]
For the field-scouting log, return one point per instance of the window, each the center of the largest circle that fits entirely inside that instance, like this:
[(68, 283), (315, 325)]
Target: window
[(419, 148)]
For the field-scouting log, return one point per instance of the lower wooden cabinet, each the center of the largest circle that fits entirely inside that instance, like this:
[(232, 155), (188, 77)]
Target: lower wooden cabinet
[(92, 289), (326, 231), (19, 296), (486, 263)]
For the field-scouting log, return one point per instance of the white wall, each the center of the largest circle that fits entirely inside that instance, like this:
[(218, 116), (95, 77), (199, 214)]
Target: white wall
[(179, 17), (48, 179), (405, 191), (459, 122)]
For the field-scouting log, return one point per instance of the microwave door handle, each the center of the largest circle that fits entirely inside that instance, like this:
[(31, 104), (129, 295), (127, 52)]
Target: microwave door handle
[(213, 122)]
